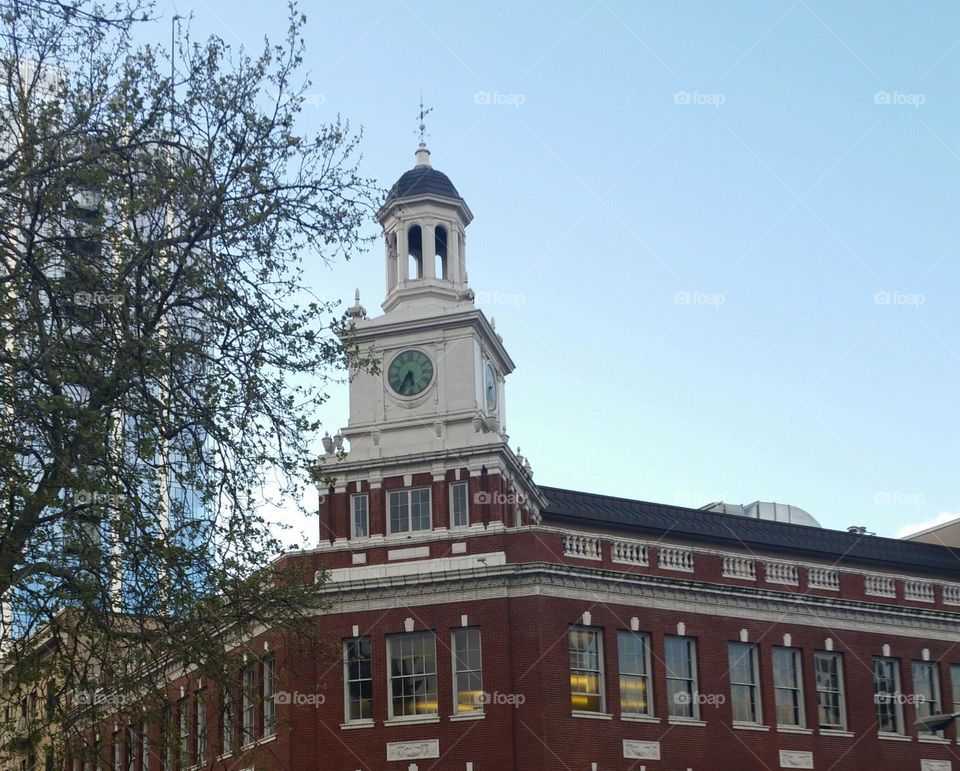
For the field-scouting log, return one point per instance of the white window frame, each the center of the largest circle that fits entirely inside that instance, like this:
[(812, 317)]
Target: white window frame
[(647, 675), (466, 504), (754, 686), (200, 726), (599, 672), (455, 644), (248, 727), (840, 692), (228, 722), (690, 644), (117, 740), (797, 690), (183, 738), (408, 491), (269, 696), (896, 695), (347, 680), (955, 687), (394, 640), (145, 746), (934, 668), (354, 530)]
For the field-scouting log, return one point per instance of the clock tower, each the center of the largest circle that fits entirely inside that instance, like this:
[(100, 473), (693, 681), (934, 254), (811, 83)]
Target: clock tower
[(434, 400)]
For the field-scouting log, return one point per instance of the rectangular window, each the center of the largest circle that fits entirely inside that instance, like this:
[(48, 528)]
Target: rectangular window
[(467, 671), (634, 661), (249, 704), (145, 746), (788, 687), (459, 509), (926, 691), (200, 713), (183, 709), (409, 510), (680, 654), (955, 682), (117, 751), (228, 719), (586, 670), (744, 683), (269, 696), (133, 748), (831, 709), (360, 516), (168, 746), (886, 695), (413, 674), (358, 679)]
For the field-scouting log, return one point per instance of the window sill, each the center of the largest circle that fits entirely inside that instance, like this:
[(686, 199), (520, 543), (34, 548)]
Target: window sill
[(467, 716), (416, 720), (591, 715), (933, 740), (686, 721), (356, 724), (793, 729), (250, 745), (750, 726), (894, 737), (639, 719), (836, 732)]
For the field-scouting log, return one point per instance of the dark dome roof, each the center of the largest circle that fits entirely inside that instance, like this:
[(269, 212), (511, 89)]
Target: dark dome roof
[(423, 180)]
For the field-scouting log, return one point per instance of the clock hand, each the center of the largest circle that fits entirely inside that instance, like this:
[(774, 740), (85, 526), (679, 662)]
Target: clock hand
[(409, 376)]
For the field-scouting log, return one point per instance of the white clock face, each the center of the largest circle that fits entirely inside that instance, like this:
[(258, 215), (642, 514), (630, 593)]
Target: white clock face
[(490, 386)]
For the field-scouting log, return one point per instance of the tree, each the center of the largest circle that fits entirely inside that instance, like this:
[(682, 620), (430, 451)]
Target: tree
[(159, 354)]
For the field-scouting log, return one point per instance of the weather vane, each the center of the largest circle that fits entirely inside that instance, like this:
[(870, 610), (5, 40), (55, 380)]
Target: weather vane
[(423, 114)]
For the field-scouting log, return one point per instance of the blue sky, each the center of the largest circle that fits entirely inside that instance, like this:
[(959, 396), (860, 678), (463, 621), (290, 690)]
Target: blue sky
[(720, 240)]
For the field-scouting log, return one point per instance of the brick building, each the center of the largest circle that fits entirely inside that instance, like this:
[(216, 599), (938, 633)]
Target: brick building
[(481, 622)]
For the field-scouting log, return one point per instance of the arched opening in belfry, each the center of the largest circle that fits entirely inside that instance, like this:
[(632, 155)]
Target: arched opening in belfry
[(440, 243), (415, 251)]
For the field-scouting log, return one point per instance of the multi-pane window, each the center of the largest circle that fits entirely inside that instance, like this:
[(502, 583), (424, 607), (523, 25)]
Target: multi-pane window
[(831, 709), (413, 674), (633, 651), (358, 679), (183, 712), (228, 722), (360, 516), (133, 748), (169, 749), (269, 696), (788, 686), (459, 510), (886, 695), (145, 746), (409, 510), (586, 669), (117, 752), (249, 705), (680, 662), (744, 683), (955, 683), (200, 715), (926, 691), (467, 670)]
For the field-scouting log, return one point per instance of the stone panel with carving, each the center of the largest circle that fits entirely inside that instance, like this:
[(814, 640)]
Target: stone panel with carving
[(413, 750), (641, 750), (795, 759)]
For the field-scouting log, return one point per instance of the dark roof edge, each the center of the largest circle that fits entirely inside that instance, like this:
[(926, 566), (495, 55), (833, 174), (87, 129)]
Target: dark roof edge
[(847, 549)]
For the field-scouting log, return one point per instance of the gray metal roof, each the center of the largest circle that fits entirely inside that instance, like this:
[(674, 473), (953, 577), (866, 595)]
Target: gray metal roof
[(423, 180)]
